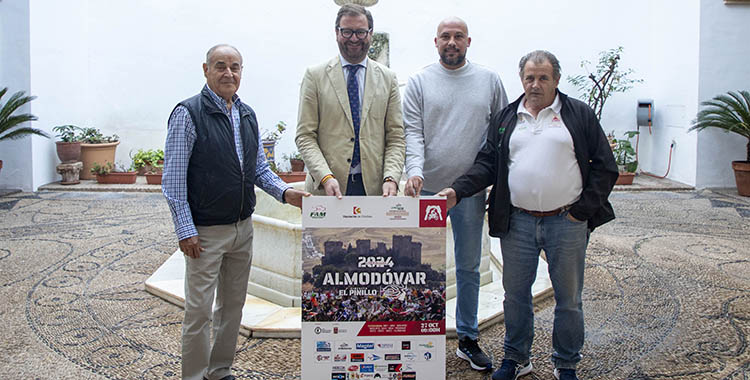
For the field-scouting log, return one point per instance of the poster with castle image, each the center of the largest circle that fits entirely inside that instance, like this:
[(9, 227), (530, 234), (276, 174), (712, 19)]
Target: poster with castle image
[(373, 288)]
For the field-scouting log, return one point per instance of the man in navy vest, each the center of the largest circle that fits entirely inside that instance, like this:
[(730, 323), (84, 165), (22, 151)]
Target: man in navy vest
[(213, 160)]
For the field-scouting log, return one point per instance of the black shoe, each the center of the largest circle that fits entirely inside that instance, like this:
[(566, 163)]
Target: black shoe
[(469, 350), (565, 374), (511, 370)]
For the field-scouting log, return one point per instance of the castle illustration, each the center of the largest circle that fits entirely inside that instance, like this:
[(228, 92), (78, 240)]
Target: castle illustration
[(403, 250)]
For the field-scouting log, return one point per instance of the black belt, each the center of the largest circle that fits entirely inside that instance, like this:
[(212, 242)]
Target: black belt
[(541, 214)]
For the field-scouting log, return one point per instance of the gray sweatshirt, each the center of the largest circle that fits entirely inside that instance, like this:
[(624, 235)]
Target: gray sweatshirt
[(446, 115)]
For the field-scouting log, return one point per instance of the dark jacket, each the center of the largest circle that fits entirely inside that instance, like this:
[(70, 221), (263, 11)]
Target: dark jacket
[(598, 168), (219, 191)]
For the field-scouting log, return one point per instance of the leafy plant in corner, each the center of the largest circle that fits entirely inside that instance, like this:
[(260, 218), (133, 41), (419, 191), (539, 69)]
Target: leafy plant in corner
[(729, 112), (9, 123), (607, 78), (625, 153)]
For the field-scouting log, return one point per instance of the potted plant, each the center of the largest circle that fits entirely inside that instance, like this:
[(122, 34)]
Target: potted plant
[(147, 160), (69, 147), (149, 163), (730, 112), (9, 123), (269, 139), (606, 79), (290, 177), (96, 148), (153, 174), (297, 167), (108, 173), (625, 158), (295, 162)]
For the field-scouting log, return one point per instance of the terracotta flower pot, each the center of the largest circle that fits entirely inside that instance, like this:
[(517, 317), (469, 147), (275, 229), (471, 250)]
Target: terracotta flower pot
[(149, 168), (153, 178), (290, 177), (297, 165), (99, 153), (117, 177), (68, 151), (742, 177), (625, 178)]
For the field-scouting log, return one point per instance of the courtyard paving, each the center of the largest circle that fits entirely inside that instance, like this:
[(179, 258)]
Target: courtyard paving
[(667, 292)]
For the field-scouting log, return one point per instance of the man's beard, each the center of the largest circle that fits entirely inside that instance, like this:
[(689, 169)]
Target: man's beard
[(349, 53), (456, 61)]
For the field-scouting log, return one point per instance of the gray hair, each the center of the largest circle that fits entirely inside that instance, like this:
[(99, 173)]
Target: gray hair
[(212, 49), (354, 10), (539, 57)]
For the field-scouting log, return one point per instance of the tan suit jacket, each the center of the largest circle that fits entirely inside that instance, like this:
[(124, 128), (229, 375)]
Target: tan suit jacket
[(325, 132)]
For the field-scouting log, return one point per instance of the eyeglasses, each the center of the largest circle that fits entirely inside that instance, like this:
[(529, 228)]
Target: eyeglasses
[(347, 33)]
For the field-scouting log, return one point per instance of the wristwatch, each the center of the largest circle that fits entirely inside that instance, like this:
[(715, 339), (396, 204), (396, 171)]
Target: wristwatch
[(390, 179)]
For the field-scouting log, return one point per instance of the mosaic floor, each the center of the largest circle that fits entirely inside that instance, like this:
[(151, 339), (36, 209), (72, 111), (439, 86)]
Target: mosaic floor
[(667, 293)]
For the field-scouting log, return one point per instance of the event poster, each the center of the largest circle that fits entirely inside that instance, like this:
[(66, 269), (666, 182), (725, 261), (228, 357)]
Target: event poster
[(373, 288)]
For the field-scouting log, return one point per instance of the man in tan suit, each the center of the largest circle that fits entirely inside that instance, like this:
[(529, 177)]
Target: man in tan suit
[(360, 155)]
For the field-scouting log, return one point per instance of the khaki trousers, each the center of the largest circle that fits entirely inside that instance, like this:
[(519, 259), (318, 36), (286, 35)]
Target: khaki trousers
[(222, 269)]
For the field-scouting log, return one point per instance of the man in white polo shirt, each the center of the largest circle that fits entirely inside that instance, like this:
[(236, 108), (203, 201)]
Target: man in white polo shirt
[(552, 171)]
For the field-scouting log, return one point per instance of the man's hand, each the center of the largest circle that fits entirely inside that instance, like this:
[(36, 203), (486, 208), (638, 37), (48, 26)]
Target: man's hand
[(390, 188), (294, 197), (191, 247), (332, 188), (573, 218), (449, 193), (413, 186)]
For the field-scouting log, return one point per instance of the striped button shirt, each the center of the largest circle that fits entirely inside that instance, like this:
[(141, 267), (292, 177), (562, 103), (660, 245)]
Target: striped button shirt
[(181, 137)]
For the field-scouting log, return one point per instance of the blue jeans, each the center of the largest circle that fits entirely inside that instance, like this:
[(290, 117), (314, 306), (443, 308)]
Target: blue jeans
[(564, 243), (467, 219)]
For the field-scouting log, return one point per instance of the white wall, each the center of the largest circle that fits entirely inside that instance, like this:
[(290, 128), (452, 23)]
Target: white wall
[(672, 81), (122, 66), (14, 74), (654, 34), (724, 49)]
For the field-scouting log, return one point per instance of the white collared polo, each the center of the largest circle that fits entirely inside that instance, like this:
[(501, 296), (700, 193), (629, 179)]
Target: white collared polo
[(543, 170)]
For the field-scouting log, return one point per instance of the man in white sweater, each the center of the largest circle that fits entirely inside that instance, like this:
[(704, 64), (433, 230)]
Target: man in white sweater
[(448, 107)]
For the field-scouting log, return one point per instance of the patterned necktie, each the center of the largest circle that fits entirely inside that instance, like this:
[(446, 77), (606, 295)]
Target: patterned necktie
[(353, 89)]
